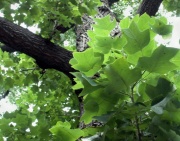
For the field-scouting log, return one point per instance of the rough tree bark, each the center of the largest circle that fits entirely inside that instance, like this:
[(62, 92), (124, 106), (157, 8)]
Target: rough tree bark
[(46, 54), (149, 6), (87, 21), (82, 39)]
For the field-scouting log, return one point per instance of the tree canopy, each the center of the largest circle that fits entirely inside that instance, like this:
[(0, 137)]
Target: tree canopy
[(89, 71)]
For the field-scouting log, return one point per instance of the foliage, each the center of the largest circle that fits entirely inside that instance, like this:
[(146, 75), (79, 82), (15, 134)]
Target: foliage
[(130, 84), (172, 5), (120, 7), (48, 14), (38, 99), (134, 92)]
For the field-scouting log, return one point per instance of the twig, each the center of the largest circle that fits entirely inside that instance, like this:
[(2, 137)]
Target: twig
[(136, 117), (5, 94), (29, 69)]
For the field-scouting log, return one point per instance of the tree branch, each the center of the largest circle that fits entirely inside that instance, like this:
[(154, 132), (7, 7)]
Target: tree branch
[(149, 6), (7, 49), (6, 93), (111, 2), (46, 54), (63, 29)]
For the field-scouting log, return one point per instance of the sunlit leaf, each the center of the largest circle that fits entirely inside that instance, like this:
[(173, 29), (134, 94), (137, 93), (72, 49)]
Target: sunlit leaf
[(134, 38), (105, 25), (89, 62), (159, 61), (62, 131), (120, 76)]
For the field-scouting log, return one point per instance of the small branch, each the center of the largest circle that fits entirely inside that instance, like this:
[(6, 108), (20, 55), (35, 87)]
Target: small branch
[(81, 105), (136, 117), (63, 29), (30, 69), (138, 129), (111, 2), (5, 94)]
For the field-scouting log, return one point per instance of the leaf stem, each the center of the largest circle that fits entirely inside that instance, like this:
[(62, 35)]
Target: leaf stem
[(138, 134)]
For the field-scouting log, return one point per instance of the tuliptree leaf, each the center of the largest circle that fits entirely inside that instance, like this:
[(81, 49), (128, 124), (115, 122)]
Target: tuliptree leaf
[(97, 103), (134, 38), (100, 36), (88, 62), (91, 131), (147, 51), (159, 61), (124, 24), (159, 107), (105, 44), (89, 84), (62, 132), (91, 106), (172, 116), (103, 26), (120, 76), (163, 88), (161, 28)]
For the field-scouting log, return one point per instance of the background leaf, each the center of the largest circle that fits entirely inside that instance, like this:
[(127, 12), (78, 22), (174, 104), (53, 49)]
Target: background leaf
[(62, 132), (159, 61)]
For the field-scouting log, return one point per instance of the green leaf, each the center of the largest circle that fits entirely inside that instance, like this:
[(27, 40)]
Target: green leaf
[(73, 2), (159, 61), (7, 129), (136, 39), (171, 116), (100, 38), (91, 106), (161, 28), (144, 21), (91, 131), (120, 76), (89, 84), (163, 88), (104, 118), (105, 44), (146, 51), (103, 102), (9, 83), (62, 132), (88, 62), (159, 107), (168, 133), (83, 8), (103, 26), (8, 62), (124, 24), (176, 59), (173, 135), (21, 120)]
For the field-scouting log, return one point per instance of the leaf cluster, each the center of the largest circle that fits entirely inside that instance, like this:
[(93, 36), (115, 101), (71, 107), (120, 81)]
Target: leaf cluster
[(173, 6), (127, 81), (39, 100)]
